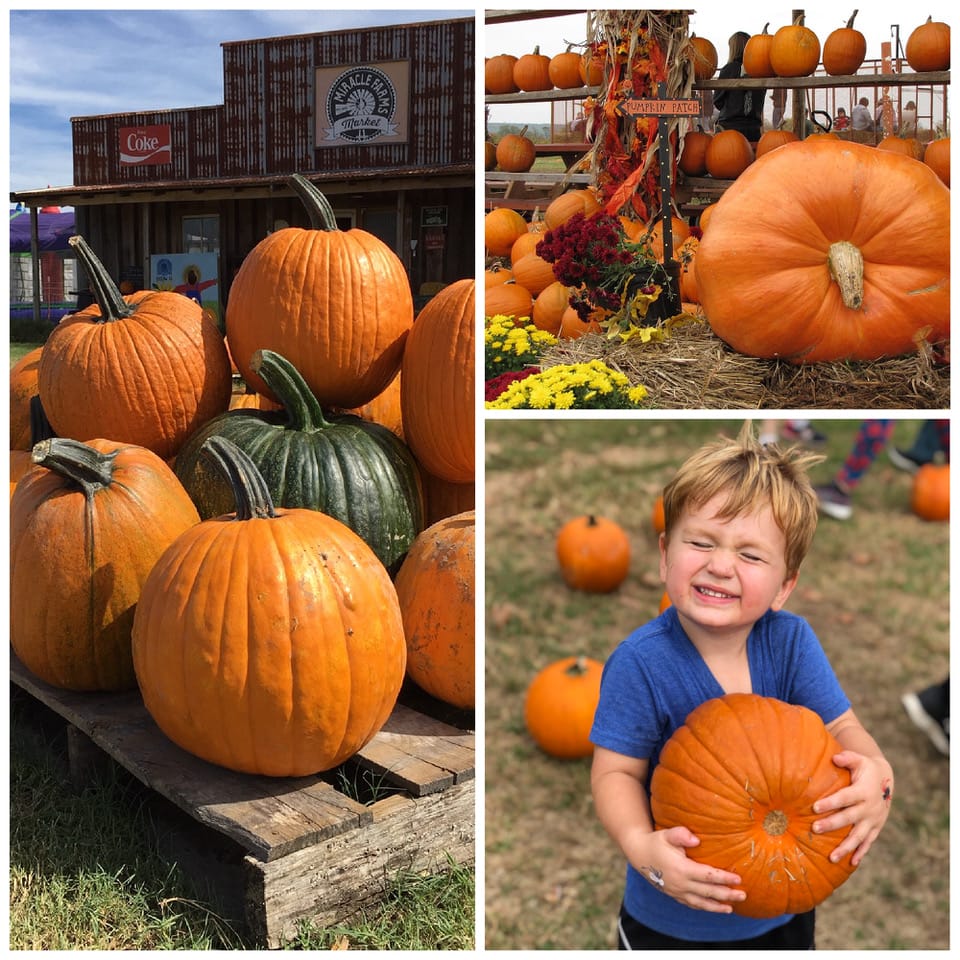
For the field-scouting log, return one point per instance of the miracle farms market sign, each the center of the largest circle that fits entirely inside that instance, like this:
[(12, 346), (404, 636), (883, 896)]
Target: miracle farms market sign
[(362, 104)]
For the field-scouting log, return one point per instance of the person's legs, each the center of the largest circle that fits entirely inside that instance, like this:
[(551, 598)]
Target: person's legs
[(871, 438)]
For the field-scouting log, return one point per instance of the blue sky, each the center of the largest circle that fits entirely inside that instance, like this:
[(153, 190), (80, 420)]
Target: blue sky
[(68, 63)]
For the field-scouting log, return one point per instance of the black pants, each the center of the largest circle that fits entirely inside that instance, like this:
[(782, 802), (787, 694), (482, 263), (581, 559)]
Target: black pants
[(796, 934)]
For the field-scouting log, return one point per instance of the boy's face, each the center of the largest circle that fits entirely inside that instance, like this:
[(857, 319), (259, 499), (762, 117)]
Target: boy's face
[(723, 575)]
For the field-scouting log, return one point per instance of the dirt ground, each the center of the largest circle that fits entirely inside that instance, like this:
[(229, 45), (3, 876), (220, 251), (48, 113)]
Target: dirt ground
[(874, 588)]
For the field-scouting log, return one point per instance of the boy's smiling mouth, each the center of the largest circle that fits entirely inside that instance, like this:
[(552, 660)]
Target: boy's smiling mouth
[(712, 592)]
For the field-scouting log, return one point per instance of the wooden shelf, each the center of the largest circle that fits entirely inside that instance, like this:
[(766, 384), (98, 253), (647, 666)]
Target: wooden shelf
[(543, 96), (804, 83)]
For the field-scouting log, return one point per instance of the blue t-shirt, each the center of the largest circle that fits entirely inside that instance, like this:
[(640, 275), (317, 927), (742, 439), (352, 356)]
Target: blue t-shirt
[(650, 684)]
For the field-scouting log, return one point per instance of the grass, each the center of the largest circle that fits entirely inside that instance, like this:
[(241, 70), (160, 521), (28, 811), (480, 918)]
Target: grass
[(18, 350), (874, 588)]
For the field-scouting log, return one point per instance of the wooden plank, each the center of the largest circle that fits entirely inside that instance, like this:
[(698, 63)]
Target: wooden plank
[(804, 83), (334, 878)]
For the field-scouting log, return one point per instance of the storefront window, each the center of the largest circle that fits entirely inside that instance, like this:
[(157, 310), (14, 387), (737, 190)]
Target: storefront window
[(201, 234)]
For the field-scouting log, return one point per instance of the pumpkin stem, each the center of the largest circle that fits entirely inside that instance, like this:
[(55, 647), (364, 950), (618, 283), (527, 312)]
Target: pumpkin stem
[(775, 823), (249, 488), (285, 380), (90, 469), (853, 16), (111, 301), (317, 205), (845, 262)]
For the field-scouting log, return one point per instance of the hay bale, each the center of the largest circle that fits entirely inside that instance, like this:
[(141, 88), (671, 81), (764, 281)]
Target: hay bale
[(693, 369)]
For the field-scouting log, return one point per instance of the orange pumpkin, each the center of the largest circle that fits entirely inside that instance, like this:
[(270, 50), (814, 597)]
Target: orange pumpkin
[(531, 72), (550, 306), (687, 256), (489, 155), (843, 274), (384, 408), (593, 553), (592, 66), (572, 327), (742, 774), (756, 54), (704, 56), (564, 70), (501, 228), (657, 517), (679, 230), (930, 496), (437, 384), (509, 299), (928, 47), (559, 706), (795, 51), (496, 274), (728, 154), (148, 369), (516, 152), (436, 590), (562, 208), (937, 158), (771, 139), (705, 214), (338, 303), (443, 499), (293, 686), (498, 74), (908, 146), (87, 524), (534, 273), (844, 50), (693, 155), (527, 243), (23, 386)]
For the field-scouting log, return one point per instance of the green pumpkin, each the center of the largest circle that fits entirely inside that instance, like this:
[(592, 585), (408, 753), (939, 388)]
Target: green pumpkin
[(359, 472)]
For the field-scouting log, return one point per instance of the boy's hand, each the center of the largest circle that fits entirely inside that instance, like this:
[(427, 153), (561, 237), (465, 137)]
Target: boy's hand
[(863, 806), (694, 884)]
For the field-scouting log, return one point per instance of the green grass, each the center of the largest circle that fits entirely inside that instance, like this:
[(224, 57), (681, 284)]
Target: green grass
[(87, 871), (18, 350)]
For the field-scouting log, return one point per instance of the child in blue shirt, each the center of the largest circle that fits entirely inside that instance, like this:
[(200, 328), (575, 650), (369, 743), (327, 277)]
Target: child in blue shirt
[(740, 518)]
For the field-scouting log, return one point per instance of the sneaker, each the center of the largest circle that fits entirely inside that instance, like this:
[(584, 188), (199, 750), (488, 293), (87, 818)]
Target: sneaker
[(834, 502), (803, 434), (904, 460), (931, 714)]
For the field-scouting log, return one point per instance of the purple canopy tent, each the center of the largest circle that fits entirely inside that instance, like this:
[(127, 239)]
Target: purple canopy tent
[(39, 282)]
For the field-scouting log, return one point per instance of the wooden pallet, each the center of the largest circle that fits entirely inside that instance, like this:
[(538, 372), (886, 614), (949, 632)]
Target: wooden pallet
[(275, 850)]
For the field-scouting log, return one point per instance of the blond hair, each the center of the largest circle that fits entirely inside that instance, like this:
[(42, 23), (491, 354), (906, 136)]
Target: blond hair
[(751, 475)]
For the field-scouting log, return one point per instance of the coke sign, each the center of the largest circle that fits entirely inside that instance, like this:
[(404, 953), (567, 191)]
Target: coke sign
[(145, 145)]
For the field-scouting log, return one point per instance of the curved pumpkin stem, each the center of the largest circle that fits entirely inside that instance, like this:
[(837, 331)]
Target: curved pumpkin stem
[(285, 380), (112, 304), (846, 267), (90, 469), (317, 205), (249, 488), (853, 16)]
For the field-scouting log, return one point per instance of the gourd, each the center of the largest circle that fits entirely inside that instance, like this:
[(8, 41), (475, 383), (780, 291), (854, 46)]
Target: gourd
[(844, 50), (742, 774), (87, 523), (269, 641), (928, 46), (828, 273), (728, 154), (795, 50), (146, 369), (354, 470), (501, 227), (531, 72), (559, 706), (930, 495), (436, 591), (593, 553), (756, 54), (437, 386), (337, 303)]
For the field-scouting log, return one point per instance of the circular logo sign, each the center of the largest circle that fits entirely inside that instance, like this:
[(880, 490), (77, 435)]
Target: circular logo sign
[(361, 103)]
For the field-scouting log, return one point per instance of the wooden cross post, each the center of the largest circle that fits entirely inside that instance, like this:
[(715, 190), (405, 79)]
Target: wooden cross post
[(662, 108)]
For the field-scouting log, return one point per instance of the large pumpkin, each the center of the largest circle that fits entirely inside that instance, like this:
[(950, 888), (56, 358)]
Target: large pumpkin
[(147, 369), (85, 531), (756, 54), (742, 774), (437, 387), (559, 706), (928, 46), (531, 72), (268, 641), (853, 264), (593, 554), (436, 590), (728, 154), (795, 50), (354, 470), (337, 303)]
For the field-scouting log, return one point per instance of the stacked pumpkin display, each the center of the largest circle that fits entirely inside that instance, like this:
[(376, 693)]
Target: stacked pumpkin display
[(239, 564)]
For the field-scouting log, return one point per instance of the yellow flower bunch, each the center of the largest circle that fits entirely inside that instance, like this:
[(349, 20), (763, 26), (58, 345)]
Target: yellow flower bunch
[(583, 386), (512, 344)]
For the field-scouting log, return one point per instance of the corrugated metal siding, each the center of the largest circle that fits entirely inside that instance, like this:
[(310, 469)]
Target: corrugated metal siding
[(266, 124), (195, 141)]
